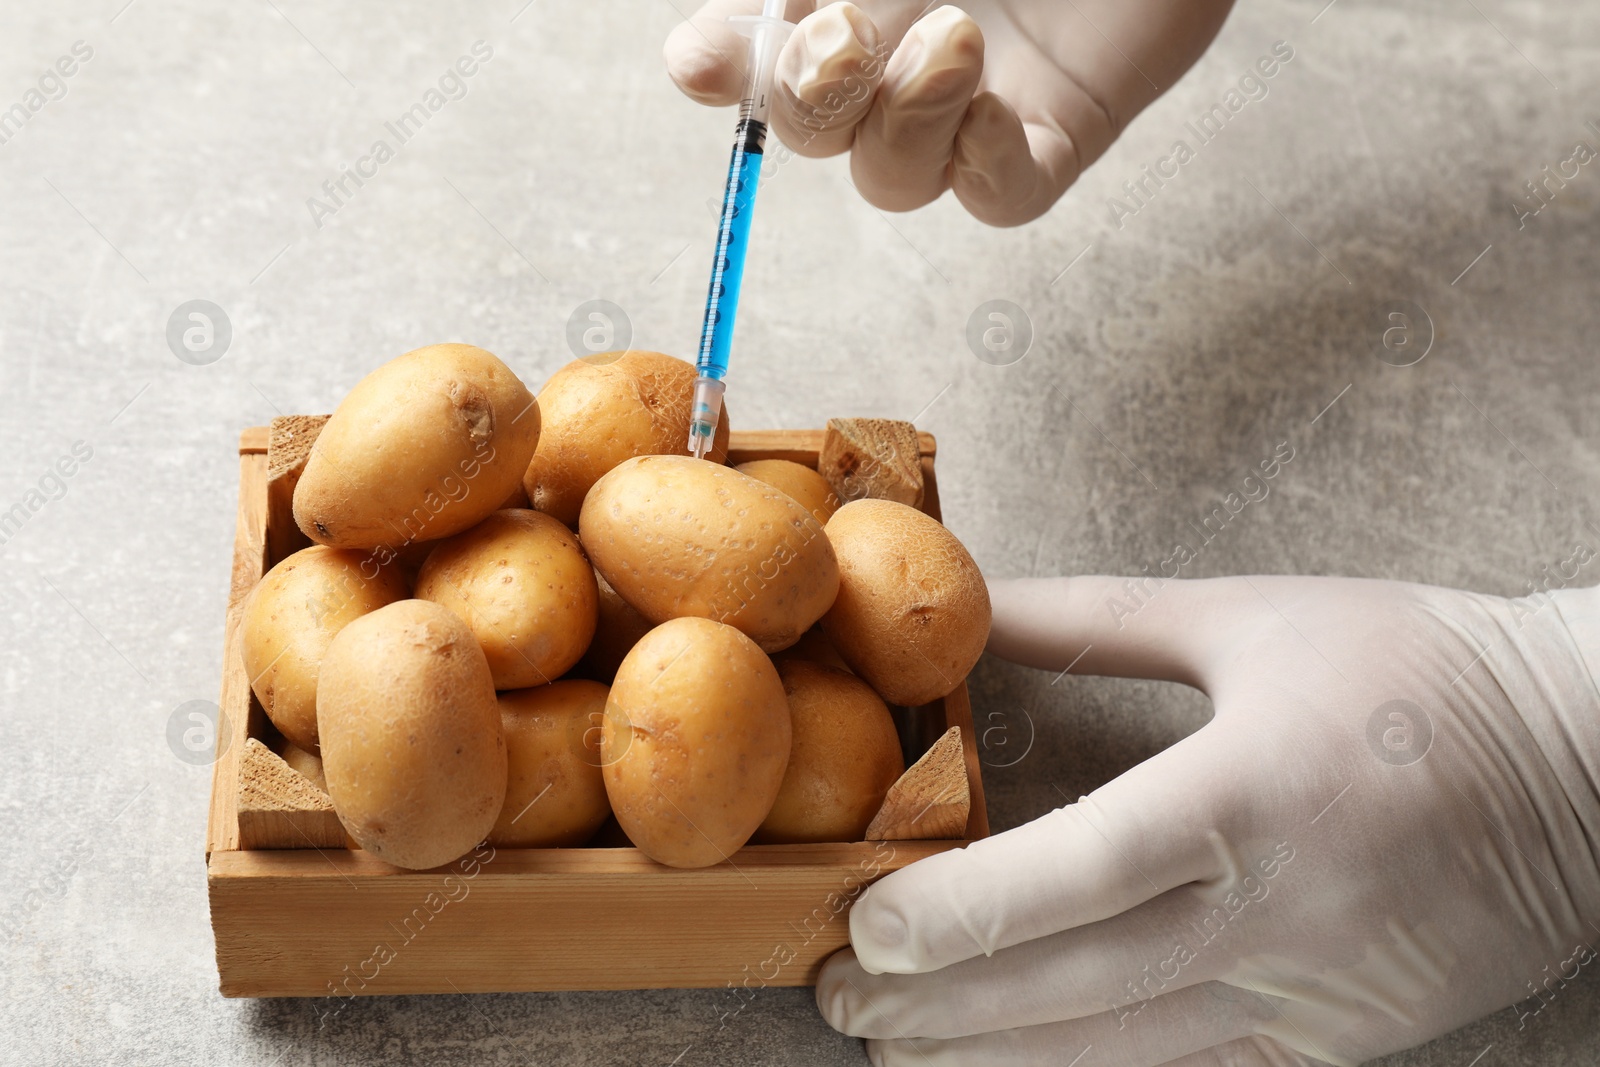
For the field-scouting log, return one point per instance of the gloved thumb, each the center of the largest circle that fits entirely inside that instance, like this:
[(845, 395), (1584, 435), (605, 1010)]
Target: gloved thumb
[(1151, 830)]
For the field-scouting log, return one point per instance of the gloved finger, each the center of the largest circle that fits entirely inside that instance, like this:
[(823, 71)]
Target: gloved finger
[(903, 147), (1116, 964), (827, 78), (1006, 172), (706, 54), (1169, 1026), (1161, 825), (1254, 1051), (1174, 630)]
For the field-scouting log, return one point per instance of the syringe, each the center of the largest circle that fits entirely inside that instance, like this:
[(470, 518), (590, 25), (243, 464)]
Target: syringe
[(768, 31)]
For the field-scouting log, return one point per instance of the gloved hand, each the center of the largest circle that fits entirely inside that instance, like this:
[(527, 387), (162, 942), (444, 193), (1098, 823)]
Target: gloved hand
[(1390, 828), (1006, 102)]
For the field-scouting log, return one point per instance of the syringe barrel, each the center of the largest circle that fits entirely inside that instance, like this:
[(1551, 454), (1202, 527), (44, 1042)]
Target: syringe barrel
[(767, 40), (768, 32), (733, 239)]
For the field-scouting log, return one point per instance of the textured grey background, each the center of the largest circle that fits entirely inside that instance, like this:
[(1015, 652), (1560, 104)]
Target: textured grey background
[(1172, 356)]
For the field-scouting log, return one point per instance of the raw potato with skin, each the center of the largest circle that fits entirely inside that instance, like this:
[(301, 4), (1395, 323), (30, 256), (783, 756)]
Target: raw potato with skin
[(309, 767), (844, 757), (555, 794), (422, 448), (813, 647), (305, 764), (810, 489), (617, 629), (412, 745), (677, 536), (599, 411), (291, 618), (912, 614), (520, 582), (695, 742)]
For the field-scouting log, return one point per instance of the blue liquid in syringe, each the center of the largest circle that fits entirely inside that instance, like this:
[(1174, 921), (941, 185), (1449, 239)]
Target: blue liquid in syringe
[(733, 243)]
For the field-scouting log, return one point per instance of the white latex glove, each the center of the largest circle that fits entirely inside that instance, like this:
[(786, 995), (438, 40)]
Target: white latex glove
[(1317, 875), (1006, 101)]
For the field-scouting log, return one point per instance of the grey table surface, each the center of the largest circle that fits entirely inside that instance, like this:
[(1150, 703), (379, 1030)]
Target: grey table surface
[(1172, 347)]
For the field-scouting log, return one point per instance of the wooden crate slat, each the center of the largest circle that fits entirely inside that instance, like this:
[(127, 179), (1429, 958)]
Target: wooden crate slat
[(294, 923), (289, 441), (335, 865), (930, 490), (958, 712), (798, 446), (234, 704)]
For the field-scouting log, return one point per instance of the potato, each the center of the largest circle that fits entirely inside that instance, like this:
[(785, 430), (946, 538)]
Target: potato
[(813, 647), (409, 558), (412, 745), (523, 586), (695, 742), (423, 447), (800, 482), (305, 764), (678, 536), (292, 616), (616, 631), (518, 498), (912, 614), (844, 757), (310, 767), (597, 412), (555, 795)]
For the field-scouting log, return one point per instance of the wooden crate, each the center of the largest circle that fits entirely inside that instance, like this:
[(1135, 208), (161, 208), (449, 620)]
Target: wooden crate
[(338, 923)]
